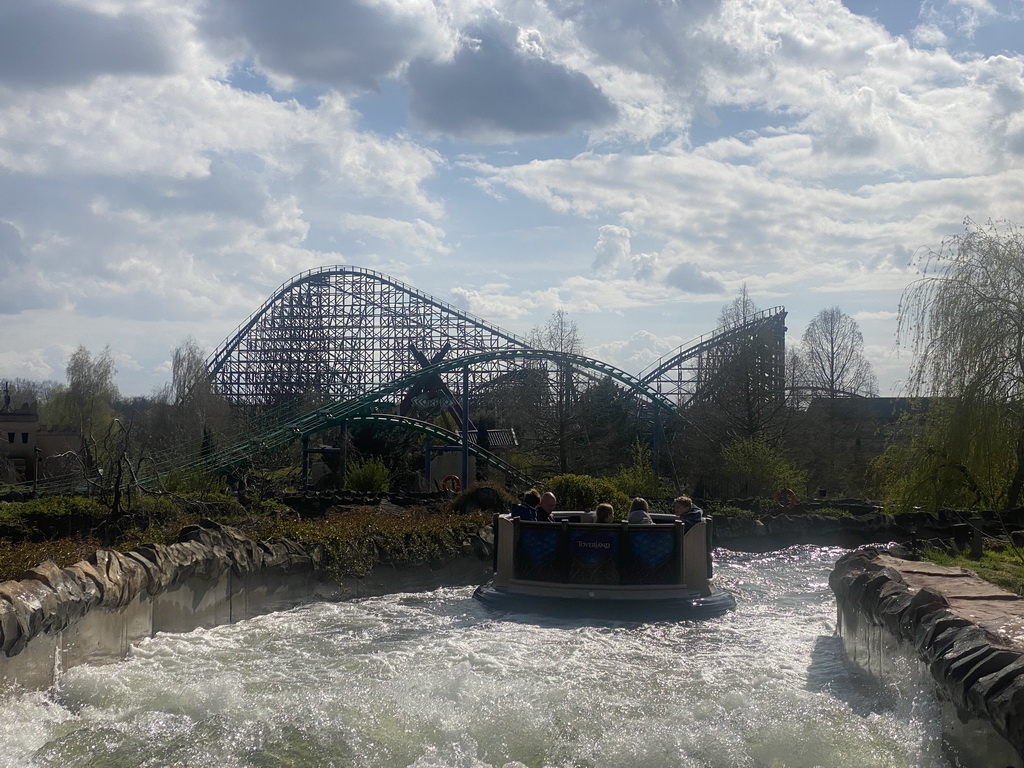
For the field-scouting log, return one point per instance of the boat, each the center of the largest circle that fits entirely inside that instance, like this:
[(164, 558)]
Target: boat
[(575, 566)]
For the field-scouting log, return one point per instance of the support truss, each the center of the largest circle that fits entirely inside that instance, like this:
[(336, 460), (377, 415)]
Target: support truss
[(344, 331), (686, 375)]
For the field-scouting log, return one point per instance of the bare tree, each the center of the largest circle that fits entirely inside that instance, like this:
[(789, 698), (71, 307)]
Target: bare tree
[(833, 355), (738, 311), (742, 400), (560, 334)]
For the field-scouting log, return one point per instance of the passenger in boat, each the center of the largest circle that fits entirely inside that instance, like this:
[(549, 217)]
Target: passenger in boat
[(605, 513), (527, 508), (687, 511), (638, 512), (546, 506)]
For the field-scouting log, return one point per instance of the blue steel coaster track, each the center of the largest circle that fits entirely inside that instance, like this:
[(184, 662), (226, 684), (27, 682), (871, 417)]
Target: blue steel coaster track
[(338, 412)]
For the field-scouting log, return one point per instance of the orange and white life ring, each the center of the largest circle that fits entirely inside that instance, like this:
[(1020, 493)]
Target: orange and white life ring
[(451, 483), (784, 498)]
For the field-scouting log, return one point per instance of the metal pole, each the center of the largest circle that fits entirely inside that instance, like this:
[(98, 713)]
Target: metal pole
[(655, 428), (465, 428), (305, 463), (426, 462)]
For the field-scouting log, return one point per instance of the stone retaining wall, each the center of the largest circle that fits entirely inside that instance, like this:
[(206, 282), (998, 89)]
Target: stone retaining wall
[(94, 611), (895, 632)]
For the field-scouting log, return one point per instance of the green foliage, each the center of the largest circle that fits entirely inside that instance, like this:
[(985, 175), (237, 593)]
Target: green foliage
[(586, 492), (639, 479), (957, 455), (53, 506), (355, 541), (831, 512), (758, 469), (1002, 566), (194, 483), (484, 497), (730, 511), (368, 476), (18, 557), (964, 319)]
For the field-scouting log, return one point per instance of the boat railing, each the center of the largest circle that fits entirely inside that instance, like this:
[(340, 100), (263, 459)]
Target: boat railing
[(609, 554)]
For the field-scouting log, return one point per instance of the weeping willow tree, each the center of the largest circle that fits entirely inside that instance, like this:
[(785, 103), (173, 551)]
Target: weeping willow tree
[(964, 320)]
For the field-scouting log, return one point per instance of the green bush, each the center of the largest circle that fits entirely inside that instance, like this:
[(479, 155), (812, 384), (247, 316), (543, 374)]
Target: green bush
[(369, 476), (831, 512), (639, 478), (355, 541), (586, 492), (730, 511), (759, 469)]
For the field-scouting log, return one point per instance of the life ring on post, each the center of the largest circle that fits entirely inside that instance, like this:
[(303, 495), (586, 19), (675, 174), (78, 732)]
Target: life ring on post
[(451, 483), (784, 498)]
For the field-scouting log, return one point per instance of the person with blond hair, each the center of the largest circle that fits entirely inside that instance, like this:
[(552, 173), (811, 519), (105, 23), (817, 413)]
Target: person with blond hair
[(605, 513)]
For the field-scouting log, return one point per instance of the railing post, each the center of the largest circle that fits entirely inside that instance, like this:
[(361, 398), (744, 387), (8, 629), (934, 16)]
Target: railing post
[(465, 428), (709, 543), (680, 531), (494, 527)]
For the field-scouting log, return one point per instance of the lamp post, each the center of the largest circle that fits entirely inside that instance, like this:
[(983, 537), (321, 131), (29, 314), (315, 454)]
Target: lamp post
[(35, 469)]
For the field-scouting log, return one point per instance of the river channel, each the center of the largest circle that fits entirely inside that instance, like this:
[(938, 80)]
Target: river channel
[(434, 680)]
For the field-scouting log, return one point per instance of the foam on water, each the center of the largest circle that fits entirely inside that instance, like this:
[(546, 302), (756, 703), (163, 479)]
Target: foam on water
[(431, 680)]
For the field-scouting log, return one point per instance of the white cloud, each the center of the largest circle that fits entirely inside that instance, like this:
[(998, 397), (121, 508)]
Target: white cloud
[(492, 304), (796, 148), (418, 237), (637, 352), (611, 250)]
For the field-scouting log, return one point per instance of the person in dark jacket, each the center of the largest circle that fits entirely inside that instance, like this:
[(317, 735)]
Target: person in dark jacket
[(546, 506), (527, 508), (687, 511)]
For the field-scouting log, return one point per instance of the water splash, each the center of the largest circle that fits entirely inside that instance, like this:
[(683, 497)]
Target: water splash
[(429, 680)]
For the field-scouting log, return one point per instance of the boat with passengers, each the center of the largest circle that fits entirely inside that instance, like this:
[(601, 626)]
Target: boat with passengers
[(575, 566)]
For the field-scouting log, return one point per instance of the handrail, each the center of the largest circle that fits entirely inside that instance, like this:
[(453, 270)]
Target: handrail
[(695, 346)]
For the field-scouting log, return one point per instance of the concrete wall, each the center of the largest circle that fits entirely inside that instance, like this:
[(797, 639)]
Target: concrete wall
[(94, 611), (906, 639)]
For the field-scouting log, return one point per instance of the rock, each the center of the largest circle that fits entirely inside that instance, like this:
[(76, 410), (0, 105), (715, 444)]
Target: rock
[(75, 597), (962, 674), (934, 625), (12, 636), (893, 599), (922, 604), (35, 605), (158, 564), (125, 578), (987, 687), (1006, 710)]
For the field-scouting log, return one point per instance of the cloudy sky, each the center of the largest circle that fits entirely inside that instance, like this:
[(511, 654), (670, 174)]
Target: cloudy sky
[(165, 165)]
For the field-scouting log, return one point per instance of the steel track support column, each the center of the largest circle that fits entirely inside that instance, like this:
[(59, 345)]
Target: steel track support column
[(305, 463), (465, 428), (655, 448), (427, 444)]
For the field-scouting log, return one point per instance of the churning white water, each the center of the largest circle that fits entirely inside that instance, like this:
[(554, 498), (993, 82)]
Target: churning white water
[(433, 679)]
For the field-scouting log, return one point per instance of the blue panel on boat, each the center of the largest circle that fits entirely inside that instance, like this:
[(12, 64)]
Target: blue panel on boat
[(652, 548), (539, 545)]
